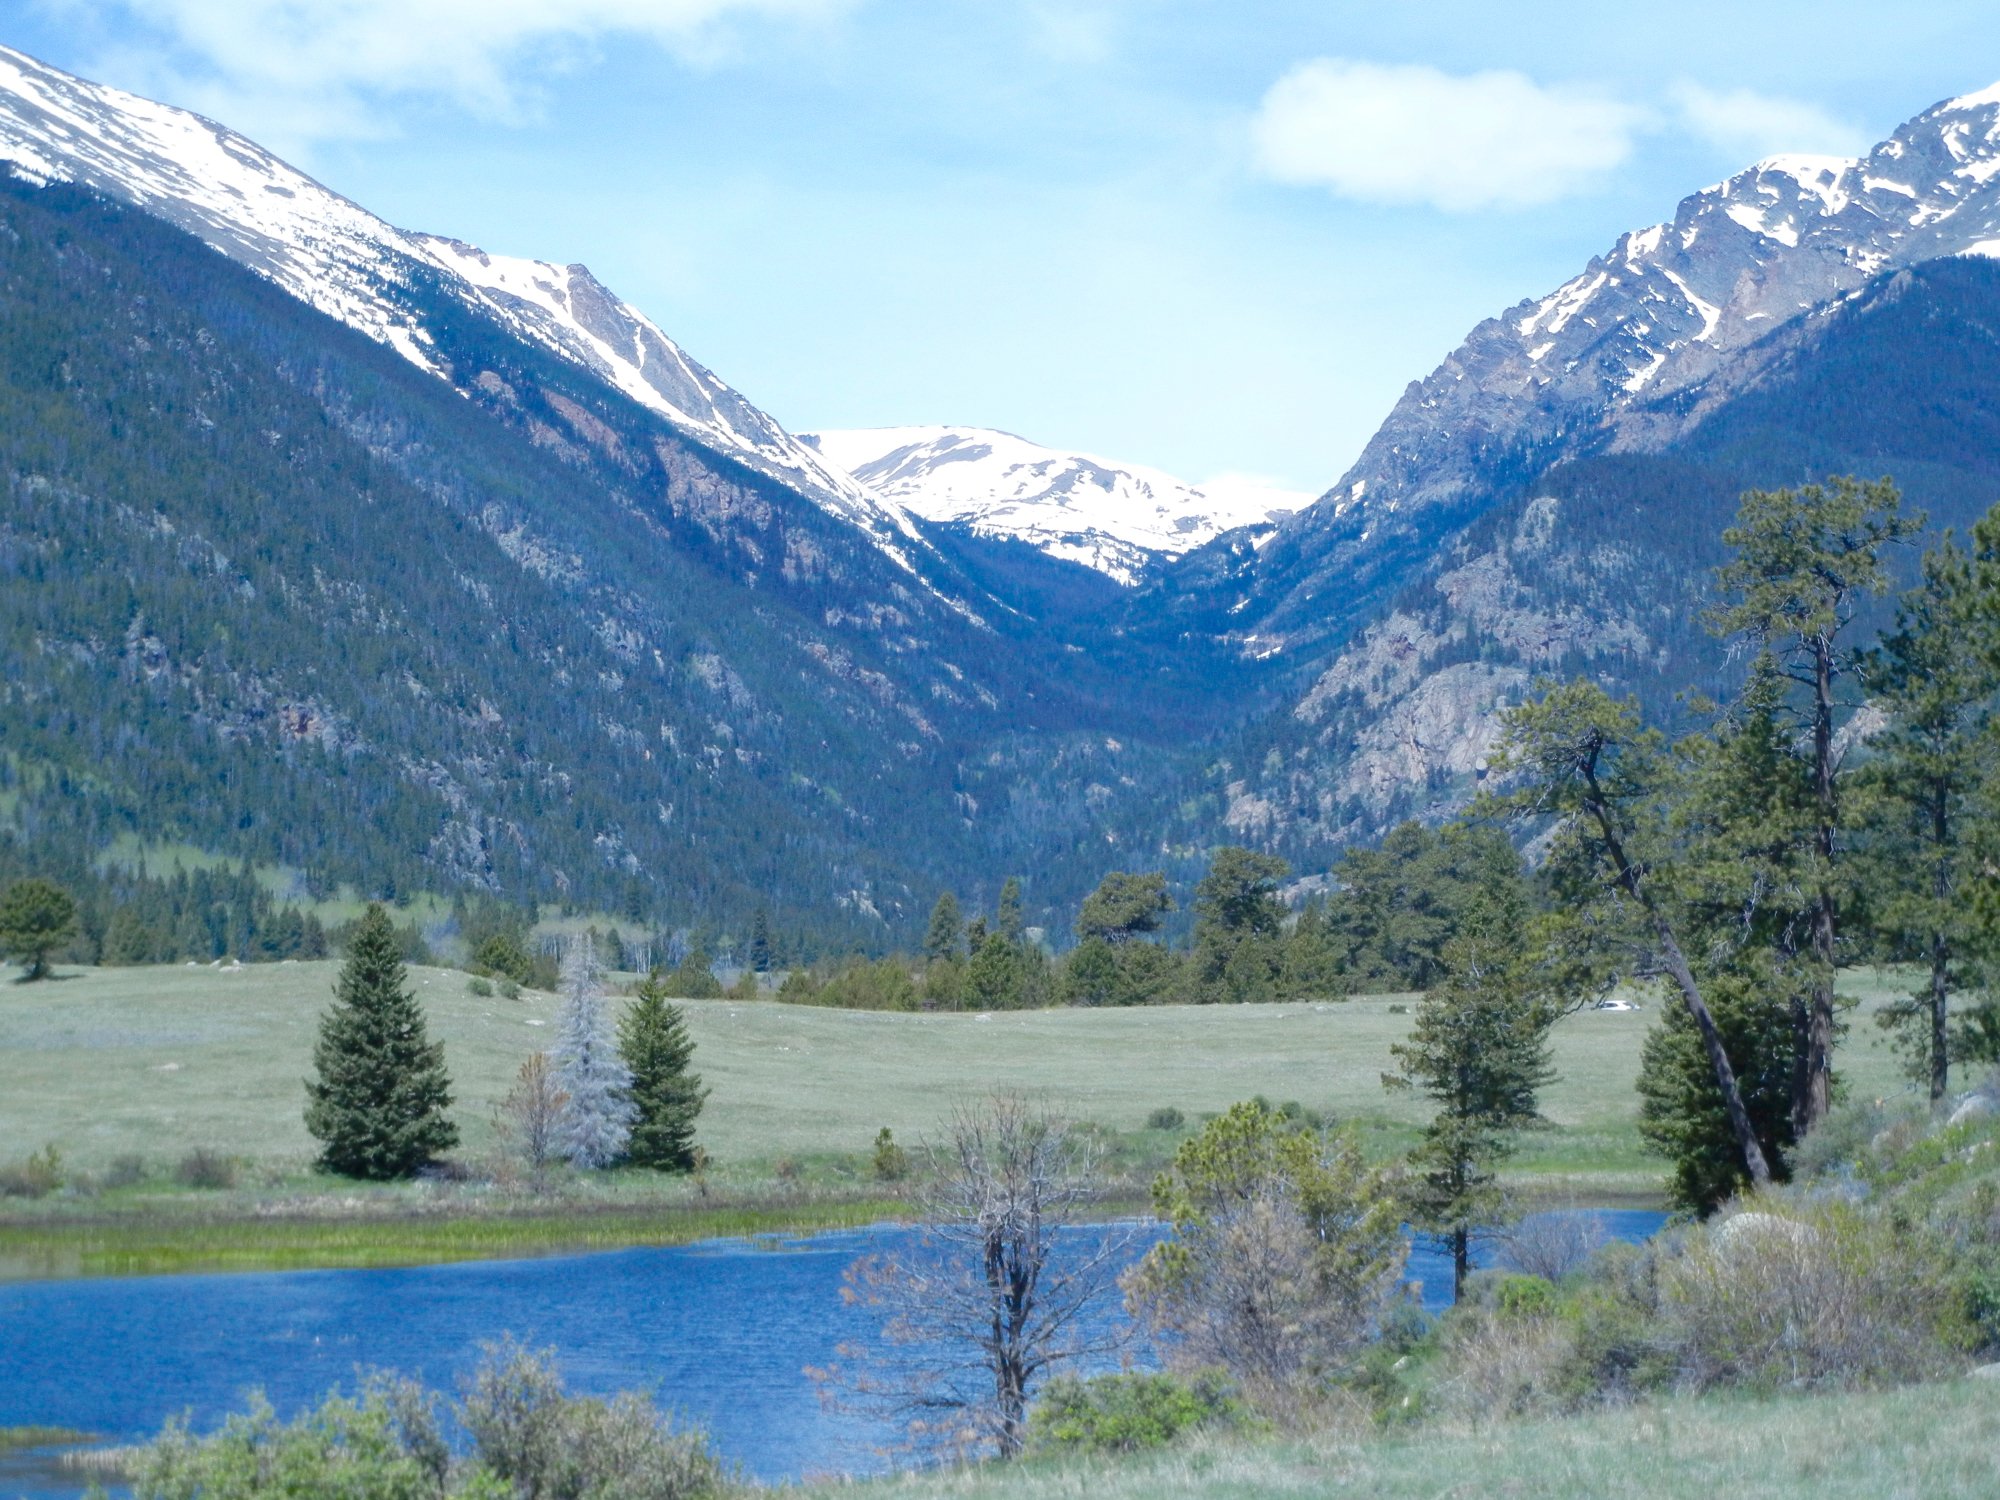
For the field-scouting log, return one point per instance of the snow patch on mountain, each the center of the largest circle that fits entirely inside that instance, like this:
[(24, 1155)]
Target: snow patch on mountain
[(1118, 518), (1659, 311), (344, 261)]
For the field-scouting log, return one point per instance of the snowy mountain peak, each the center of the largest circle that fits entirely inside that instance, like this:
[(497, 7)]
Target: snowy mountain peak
[(337, 257), (1659, 311), (1114, 517)]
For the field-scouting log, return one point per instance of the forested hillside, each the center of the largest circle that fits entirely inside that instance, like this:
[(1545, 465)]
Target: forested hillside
[(274, 593)]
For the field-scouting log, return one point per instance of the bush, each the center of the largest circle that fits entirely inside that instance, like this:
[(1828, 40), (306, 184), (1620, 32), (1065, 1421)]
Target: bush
[(1550, 1245), (125, 1171), (203, 1168), (892, 1162), (529, 1439), (538, 1441), (1816, 1293), (387, 1443), (481, 986), (36, 1177), (1128, 1413), (1168, 1118)]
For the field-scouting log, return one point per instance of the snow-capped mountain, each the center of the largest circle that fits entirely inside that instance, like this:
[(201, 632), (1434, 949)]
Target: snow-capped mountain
[(347, 263), (1114, 517), (1652, 316)]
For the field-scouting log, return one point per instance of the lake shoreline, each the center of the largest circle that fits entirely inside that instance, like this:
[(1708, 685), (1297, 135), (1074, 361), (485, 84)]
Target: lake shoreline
[(195, 1234)]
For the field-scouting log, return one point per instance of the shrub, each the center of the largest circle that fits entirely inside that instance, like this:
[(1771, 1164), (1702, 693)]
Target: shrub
[(1287, 1252), (1815, 1293), (203, 1168), (481, 986), (1521, 1298), (1168, 1118), (1550, 1245), (125, 1171), (1129, 1413), (36, 1177), (892, 1162), (529, 1439), (387, 1443), (539, 1441)]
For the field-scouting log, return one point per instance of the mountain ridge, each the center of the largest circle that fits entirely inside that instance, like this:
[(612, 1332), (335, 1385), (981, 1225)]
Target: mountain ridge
[(1655, 314), (1119, 518)]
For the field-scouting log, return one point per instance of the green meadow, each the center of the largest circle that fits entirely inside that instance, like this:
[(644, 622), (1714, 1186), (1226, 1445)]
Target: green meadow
[(156, 1062)]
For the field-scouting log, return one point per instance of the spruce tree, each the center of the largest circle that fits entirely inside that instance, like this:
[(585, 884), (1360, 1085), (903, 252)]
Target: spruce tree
[(947, 930), (666, 1093), (378, 1103), (1008, 920), (597, 1120), (760, 943)]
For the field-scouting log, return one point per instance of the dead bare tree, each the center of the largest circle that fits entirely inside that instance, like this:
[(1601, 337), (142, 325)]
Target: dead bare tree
[(995, 1294), (531, 1117)]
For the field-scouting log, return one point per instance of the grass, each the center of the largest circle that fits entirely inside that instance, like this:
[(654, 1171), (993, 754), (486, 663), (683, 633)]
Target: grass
[(322, 1233), (16, 1439), (128, 1071), (156, 1062), (1922, 1442)]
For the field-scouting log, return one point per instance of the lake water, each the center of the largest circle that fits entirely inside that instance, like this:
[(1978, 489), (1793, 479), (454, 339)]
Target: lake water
[(720, 1332)]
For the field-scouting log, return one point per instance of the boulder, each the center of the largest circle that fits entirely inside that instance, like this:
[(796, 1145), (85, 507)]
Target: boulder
[(1974, 1107)]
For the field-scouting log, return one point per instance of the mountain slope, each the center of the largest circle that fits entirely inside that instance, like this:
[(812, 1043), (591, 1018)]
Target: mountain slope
[(1602, 564), (1117, 518), (342, 260), (1658, 313), (494, 620)]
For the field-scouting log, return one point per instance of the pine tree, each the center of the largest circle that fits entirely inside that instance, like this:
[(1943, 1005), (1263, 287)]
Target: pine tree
[(760, 943), (37, 917), (1805, 558), (666, 1094), (1681, 1114), (1587, 763), (946, 934), (1479, 1049), (378, 1103), (1008, 920), (597, 1119), (1928, 769)]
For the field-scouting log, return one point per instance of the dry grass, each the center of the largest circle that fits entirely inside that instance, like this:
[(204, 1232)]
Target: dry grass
[(1921, 1443)]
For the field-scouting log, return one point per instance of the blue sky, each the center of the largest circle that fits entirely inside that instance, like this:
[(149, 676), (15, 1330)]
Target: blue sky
[(1218, 238)]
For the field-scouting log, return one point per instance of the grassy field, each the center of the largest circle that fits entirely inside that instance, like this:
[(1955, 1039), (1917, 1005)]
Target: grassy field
[(1920, 1443), (154, 1062)]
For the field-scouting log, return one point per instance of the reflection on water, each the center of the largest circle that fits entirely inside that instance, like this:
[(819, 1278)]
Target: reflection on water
[(719, 1332)]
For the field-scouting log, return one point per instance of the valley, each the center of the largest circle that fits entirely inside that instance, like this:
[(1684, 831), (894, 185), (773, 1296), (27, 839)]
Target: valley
[(1147, 985)]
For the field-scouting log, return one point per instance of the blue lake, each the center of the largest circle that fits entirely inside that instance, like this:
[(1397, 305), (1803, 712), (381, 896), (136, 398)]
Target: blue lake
[(719, 1332)]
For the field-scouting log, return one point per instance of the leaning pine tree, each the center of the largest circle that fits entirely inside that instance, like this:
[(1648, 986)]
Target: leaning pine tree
[(597, 1120), (378, 1103), (666, 1092)]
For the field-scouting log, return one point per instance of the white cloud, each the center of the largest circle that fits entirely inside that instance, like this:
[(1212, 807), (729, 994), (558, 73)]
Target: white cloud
[(1408, 134), (1750, 125), (322, 68)]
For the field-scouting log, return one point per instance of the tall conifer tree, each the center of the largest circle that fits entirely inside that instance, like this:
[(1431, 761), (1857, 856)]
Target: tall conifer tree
[(1805, 559), (378, 1103), (666, 1091)]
